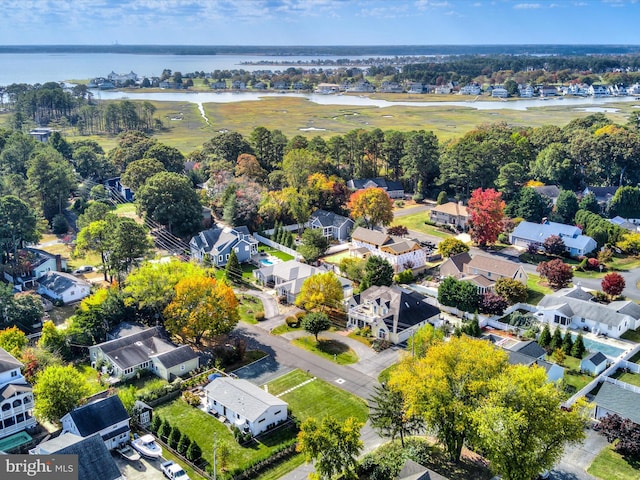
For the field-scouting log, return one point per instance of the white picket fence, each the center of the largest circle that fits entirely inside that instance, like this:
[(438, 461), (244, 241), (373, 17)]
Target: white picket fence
[(277, 246)]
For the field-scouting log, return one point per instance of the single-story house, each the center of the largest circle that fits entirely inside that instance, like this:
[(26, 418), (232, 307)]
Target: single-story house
[(218, 243), (106, 416), (248, 407), (392, 313), (401, 253), (450, 213), (287, 278), (394, 189), (414, 471), (63, 287), (554, 372), (144, 350), (125, 328), (574, 308), (612, 399), (603, 194), (333, 225), (552, 192), (627, 224), (482, 270), (94, 459), (594, 363), (527, 233), (16, 397)]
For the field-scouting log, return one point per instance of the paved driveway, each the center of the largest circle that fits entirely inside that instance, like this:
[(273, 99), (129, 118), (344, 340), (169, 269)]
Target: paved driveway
[(143, 469), (577, 458)]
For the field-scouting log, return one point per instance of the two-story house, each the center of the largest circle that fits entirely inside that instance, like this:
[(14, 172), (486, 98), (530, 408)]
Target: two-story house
[(32, 264), (16, 397), (218, 243), (392, 313), (106, 416), (333, 225), (394, 189), (482, 270), (401, 253), (450, 213)]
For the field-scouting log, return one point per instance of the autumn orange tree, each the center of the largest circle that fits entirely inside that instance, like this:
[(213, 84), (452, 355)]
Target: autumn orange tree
[(486, 211), (373, 205), (201, 306)]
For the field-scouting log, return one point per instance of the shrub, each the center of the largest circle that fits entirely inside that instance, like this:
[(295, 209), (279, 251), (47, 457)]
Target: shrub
[(155, 423), (406, 276), (191, 398), (418, 197), (59, 225), (300, 315), (165, 430), (174, 437), (259, 316), (292, 321), (183, 444), (399, 203), (194, 452), (593, 263)]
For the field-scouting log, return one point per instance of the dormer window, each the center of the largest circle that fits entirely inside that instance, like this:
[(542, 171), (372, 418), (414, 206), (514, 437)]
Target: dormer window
[(14, 373)]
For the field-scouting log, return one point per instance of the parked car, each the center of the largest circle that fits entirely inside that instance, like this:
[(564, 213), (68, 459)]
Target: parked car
[(84, 269), (173, 471)]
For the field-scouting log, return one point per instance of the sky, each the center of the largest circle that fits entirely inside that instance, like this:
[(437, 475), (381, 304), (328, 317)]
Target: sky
[(318, 22)]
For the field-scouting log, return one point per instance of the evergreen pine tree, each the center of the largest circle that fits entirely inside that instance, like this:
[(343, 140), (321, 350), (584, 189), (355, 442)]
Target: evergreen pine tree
[(556, 340), (578, 347), (183, 444), (233, 271), (155, 423), (165, 430), (174, 437), (567, 344), (194, 452), (545, 336)]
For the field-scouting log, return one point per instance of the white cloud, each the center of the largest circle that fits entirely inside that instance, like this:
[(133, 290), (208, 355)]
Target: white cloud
[(527, 6)]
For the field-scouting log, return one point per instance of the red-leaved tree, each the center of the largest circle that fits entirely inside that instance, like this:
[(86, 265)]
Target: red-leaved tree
[(613, 284), (492, 303), (557, 273), (486, 212)]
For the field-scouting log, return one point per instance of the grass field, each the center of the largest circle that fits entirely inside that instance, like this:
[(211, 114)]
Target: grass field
[(329, 349), (609, 465), (630, 378), (416, 222), (535, 289), (249, 306)]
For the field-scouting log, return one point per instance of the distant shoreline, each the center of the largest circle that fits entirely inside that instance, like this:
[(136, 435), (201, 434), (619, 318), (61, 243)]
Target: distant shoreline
[(322, 50)]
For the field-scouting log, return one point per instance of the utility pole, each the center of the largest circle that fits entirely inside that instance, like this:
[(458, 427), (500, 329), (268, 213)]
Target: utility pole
[(215, 446)]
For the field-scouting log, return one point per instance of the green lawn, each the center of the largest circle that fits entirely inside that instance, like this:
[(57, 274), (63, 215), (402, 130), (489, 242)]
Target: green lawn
[(249, 306), (632, 335), (416, 222), (386, 373), (91, 376), (276, 253), (337, 257), (284, 328), (609, 465), (368, 341), (635, 358), (630, 378), (535, 289), (318, 399), (330, 349)]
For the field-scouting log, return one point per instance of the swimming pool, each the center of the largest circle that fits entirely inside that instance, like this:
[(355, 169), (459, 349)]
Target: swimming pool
[(594, 346), (264, 261)]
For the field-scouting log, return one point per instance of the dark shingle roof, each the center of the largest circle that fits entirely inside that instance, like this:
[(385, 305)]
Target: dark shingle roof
[(460, 260), (596, 358), (94, 460), (517, 358), (329, 219), (176, 357), (98, 415), (135, 349), (619, 400), (7, 361), (414, 471), (60, 282), (533, 349)]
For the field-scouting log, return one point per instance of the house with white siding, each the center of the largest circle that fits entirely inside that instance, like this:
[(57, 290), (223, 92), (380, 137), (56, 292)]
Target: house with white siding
[(244, 405), (16, 397), (450, 213)]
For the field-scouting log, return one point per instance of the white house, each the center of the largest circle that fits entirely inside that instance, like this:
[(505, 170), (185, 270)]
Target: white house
[(527, 233), (33, 264), (145, 350), (391, 313), (598, 91), (525, 91), (401, 253), (499, 92), (288, 277), (574, 308), (16, 397), (450, 213), (594, 363), (471, 89), (63, 287), (106, 416), (245, 405)]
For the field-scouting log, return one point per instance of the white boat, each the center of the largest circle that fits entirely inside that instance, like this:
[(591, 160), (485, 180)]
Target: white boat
[(129, 453), (147, 446)]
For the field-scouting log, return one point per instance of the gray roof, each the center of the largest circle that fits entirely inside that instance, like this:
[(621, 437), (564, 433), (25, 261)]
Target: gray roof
[(242, 397), (538, 232), (533, 349), (373, 237), (576, 307), (517, 358), (94, 460), (329, 219), (576, 292), (9, 390), (126, 328), (8, 361), (292, 274), (359, 183), (619, 400), (460, 260), (60, 282), (177, 356), (96, 416), (414, 471), (405, 309), (597, 358), (218, 239), (551, 191), (136, 348)]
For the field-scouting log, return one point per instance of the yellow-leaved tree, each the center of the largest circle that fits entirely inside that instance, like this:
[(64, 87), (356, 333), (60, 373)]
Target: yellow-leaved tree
[(321, 292), (202, 306)]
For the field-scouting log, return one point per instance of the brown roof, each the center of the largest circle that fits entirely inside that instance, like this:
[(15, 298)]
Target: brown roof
[(372, 237), (451, 208), (460, 260), (505, 268), (401, 247), (477, 280)]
